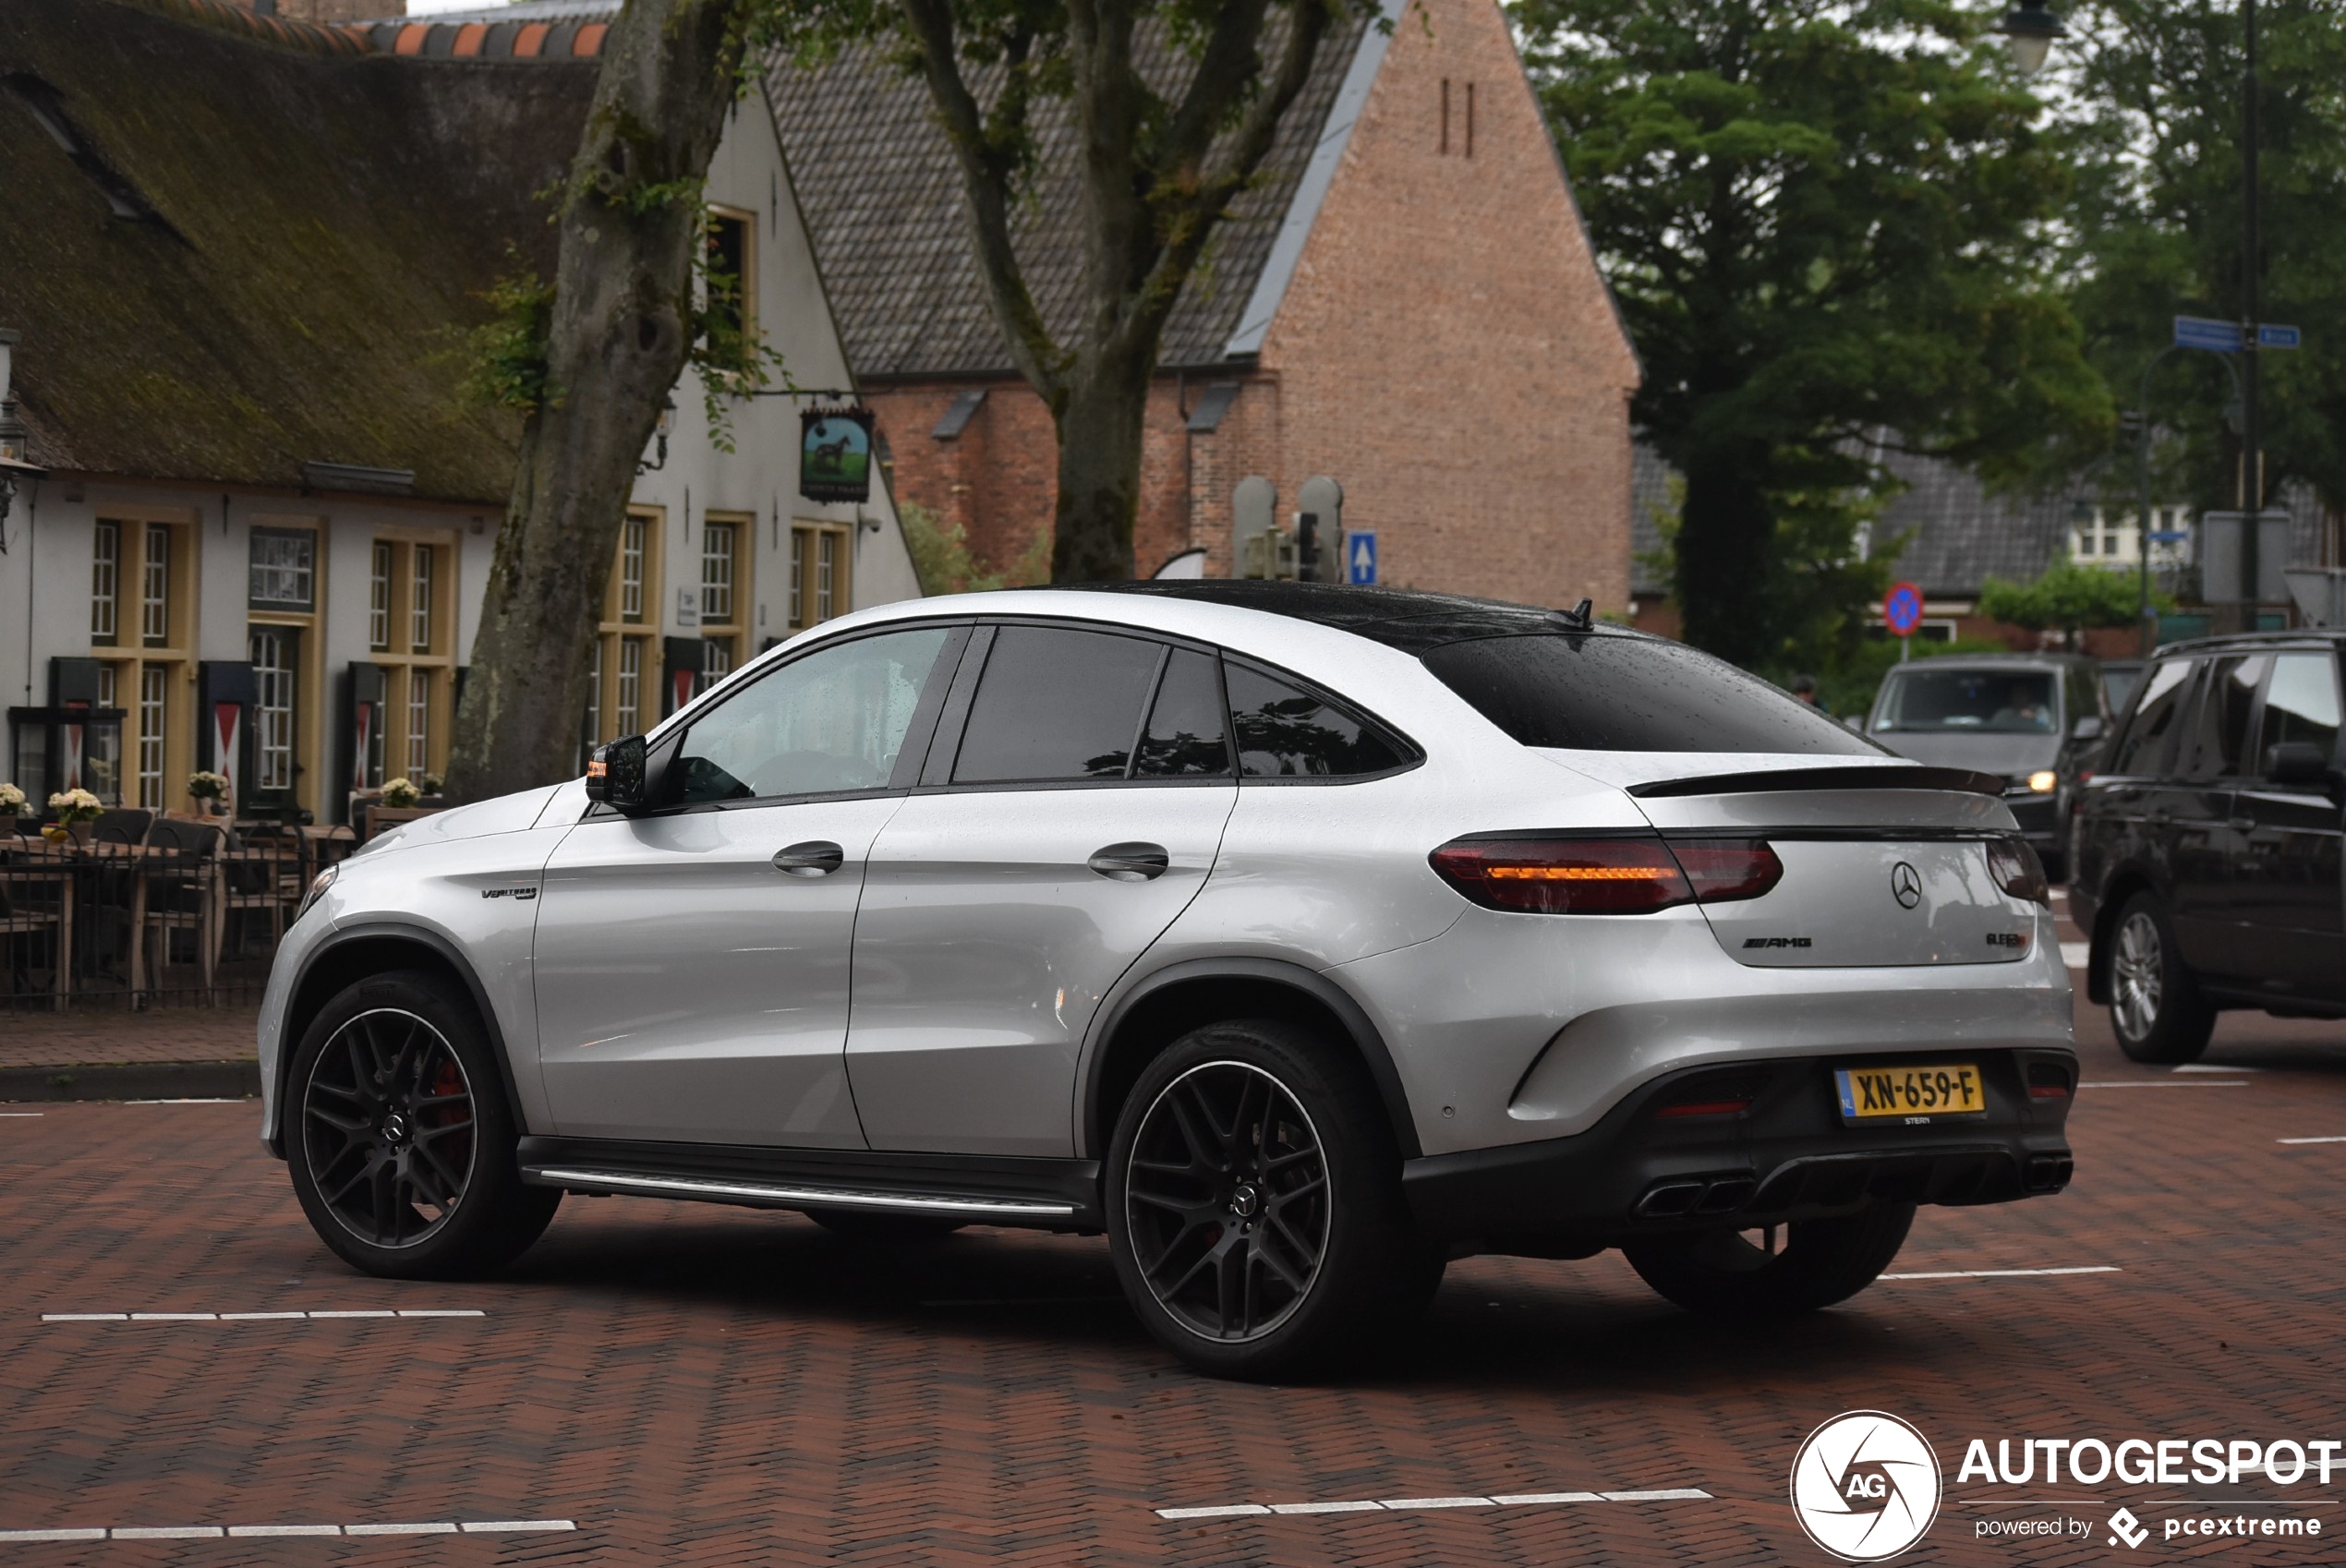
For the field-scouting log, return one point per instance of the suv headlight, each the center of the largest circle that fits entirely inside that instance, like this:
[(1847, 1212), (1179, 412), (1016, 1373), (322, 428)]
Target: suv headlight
[(317, 885), (2044, 781)]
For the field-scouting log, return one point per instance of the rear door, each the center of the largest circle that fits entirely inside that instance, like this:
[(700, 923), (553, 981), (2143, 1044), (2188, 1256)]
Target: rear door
[(1071, 814), (2128, 788), (2207, 842), (2289, 878)]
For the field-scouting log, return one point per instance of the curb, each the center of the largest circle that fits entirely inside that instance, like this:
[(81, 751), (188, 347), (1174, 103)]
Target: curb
[(133, 1080)]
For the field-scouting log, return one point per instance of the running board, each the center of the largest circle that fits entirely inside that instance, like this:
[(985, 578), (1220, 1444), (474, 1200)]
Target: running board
[(1038, 1193)]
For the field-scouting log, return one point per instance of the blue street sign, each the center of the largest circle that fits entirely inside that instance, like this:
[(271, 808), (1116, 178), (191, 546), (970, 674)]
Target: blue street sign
[(2269, 336), (2168, 535), (1902, 608), (1360, 558), (2198, 331)]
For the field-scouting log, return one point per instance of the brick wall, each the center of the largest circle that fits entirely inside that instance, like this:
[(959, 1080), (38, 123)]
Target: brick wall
[(1447, 351), (999, 478)]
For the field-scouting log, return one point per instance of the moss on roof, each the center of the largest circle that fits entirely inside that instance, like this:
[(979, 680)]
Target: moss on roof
[(323, 226)]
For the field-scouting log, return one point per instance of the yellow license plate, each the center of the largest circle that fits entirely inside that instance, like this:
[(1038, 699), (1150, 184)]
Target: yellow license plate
[(1943, 1089)]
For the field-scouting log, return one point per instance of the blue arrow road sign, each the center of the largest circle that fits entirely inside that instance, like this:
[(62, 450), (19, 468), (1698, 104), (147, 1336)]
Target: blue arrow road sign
[(1360, 558), (2198, 331), (2269, 336)]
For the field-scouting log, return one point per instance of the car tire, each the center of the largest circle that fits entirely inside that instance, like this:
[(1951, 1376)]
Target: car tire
[(1723, 1274), (400, 1138), (2156, 1008), (1254, 1205), (864, 1226)]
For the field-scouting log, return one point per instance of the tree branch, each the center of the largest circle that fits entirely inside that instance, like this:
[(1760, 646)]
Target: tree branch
[(985, 179), (1190, 221)]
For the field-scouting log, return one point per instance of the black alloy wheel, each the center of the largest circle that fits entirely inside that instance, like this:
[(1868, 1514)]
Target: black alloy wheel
[(1774, 1272), (1254, 1206), (400, 1138), (1227, 1200), (387, 1119)]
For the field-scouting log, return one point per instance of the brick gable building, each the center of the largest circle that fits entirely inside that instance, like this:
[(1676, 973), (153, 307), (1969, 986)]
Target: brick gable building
[(1405, 301)]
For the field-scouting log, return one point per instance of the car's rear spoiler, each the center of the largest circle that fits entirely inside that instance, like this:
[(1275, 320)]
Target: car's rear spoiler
[(1962, 779)]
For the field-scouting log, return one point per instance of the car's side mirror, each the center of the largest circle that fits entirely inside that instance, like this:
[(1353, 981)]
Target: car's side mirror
[(2296, 762), (2087, 729), (616, 775)]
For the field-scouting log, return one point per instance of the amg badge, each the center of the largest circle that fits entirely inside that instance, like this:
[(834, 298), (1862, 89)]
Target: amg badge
[(1775, 942)]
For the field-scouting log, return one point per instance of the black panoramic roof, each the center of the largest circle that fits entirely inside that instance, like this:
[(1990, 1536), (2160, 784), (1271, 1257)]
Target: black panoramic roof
[(1398, 618)]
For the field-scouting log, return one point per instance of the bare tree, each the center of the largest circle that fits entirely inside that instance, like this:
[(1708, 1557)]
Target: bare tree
[(1157, 171), (592, 367)]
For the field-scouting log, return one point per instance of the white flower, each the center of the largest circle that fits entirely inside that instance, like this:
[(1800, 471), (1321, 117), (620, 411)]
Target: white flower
[(11, 800)]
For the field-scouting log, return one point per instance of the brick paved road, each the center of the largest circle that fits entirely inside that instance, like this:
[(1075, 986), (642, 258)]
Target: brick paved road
[(704, 1386)]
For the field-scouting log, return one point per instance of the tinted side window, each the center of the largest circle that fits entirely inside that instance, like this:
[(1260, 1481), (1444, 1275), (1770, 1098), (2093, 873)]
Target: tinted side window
[(2143, 749), (2302, 704), (1285, 731), (832, 720), (1056, 704), (1186, 738), (1620, 693), (2219, 731)]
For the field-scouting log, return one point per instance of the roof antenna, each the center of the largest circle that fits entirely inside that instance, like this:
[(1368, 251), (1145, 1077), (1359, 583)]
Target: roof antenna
[(1583, 615)]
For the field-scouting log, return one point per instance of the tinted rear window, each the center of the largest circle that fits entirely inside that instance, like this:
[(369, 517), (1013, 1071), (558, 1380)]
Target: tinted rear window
[(1616, 694)]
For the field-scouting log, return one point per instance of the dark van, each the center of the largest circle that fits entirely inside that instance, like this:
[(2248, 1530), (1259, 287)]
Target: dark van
[(2208, 868), (2036, 720)]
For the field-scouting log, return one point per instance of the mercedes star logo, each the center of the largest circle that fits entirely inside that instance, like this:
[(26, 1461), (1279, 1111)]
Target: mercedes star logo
[(1905, 885)]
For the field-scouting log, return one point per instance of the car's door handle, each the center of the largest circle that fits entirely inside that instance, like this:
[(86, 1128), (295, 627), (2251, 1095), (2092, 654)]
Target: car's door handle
[(817, 857), (1130, 863)]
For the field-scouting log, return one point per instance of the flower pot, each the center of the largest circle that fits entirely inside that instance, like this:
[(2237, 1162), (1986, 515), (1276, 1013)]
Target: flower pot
[(79, 833)]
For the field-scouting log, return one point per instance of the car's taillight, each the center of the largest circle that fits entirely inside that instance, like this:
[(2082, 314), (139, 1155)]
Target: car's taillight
[(1631, 875), (2018, 871), (1722, 870), (1565, 875)]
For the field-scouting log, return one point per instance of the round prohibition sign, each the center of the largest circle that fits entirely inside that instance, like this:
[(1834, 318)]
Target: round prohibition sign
[(1902, 608)]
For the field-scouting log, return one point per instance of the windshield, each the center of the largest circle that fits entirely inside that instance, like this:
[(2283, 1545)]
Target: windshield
[(1619, 694), (1990, 702)]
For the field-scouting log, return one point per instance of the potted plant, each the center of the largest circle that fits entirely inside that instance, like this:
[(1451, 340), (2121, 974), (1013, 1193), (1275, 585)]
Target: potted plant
[(400, 802), (210, 790), (75, 809), (399, 794), (12, 806)]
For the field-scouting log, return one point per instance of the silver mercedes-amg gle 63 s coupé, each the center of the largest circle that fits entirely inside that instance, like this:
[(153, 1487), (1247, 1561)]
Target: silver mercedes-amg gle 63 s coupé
[(1297, 938)]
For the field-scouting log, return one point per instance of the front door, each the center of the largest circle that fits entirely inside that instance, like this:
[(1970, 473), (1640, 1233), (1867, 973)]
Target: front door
[(2291, 874), (1060, 839), (692, 961)]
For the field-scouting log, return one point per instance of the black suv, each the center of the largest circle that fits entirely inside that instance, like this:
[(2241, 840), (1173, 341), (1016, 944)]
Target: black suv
[(2208, 847)]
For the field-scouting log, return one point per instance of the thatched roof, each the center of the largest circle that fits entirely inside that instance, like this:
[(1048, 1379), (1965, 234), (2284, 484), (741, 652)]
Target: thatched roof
[(261, 243)]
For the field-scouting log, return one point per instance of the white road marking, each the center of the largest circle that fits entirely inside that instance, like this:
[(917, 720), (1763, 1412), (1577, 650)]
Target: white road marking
[(2077, 954), (1407, 1504), (215, 1532), (34, 1114), (257, 1316), (2007, 1273), (2168, 1083), (2310, 1140), (2209, 1068), (222, 1100)]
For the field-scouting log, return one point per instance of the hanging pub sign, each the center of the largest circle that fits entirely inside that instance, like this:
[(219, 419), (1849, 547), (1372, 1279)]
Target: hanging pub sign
[(835, 454)]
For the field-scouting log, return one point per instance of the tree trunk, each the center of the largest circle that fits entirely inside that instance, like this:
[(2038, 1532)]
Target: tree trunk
[(620, 332), (1099, 472), (1726, 557)]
